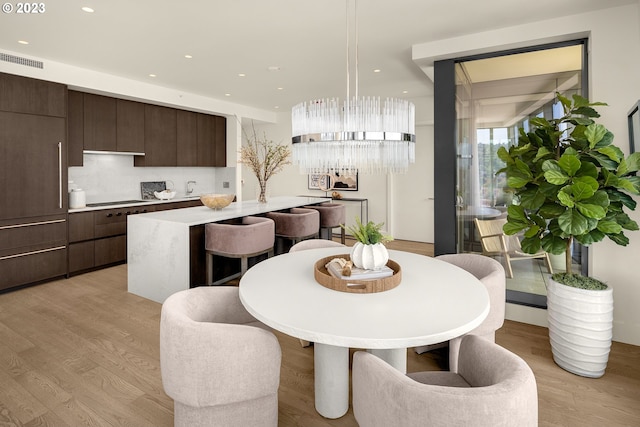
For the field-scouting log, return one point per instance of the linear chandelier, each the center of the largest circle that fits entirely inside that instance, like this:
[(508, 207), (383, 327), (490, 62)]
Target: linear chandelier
[(358, 134)]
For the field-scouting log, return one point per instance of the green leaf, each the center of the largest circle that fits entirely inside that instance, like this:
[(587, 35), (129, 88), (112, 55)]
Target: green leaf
[(565, 198), (532, 198), (566, 103), (516, 213), (542, 152), (569, 163), (604, 161), (591, 211), (514, 227), (517, 182), (554, 244), (591, 237), (531, 245), (612, 152), (554, 173), (600, 198), (627, 185), (619, 196), (582, 191), (573, 222), (594, 133), (588, 181), (503, 155), (633, 162), (588, 169), (619, 239), (551, 210), (540, 122), (609, 227), (532, 231)]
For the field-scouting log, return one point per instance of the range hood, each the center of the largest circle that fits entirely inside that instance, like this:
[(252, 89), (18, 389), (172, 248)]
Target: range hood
[(119, 153)]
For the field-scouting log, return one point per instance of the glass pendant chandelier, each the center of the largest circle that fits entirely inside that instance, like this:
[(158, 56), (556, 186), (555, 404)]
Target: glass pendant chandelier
[(359, 134)]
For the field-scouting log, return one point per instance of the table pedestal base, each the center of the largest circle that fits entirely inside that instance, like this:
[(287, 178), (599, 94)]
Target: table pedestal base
[(396, 357), (331, 376), (331, 379)]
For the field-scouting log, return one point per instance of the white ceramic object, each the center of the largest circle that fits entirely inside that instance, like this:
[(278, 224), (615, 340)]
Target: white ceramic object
[(164, 195), (77, 198), (369, 257), (580, 328)]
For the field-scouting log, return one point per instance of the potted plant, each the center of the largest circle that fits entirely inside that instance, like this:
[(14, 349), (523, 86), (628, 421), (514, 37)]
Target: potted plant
[(369, 252), (571, 183)]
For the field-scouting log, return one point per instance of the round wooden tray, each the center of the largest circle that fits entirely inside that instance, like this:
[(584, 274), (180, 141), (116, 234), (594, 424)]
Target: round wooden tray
[(325, 278)]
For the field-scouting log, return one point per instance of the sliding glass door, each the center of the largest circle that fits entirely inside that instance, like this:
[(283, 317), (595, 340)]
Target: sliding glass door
[(495, 95)]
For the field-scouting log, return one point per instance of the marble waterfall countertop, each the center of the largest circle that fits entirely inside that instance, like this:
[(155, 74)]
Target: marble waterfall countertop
[(202, 214), (158, 243)]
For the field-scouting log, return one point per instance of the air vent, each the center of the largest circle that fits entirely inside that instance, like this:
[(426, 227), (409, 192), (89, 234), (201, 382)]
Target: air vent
[(21, 61)]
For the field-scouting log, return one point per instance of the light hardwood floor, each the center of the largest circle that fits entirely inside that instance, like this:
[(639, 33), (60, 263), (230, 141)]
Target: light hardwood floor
[(83, 351)]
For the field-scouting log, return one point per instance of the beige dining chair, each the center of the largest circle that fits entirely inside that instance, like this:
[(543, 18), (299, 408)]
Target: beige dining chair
[(496, 243), (218, 363), (493, 387), (491, 273)]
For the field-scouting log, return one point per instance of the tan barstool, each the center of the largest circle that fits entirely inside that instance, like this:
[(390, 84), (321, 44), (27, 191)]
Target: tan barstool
[(332, 215), (255, 236), (295, 225)]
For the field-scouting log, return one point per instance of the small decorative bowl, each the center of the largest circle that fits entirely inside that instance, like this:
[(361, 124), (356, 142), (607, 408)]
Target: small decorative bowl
[(217, 201), (164, 195)]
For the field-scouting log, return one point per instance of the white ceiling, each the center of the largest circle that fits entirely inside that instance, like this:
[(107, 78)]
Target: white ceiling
[(304, 38)]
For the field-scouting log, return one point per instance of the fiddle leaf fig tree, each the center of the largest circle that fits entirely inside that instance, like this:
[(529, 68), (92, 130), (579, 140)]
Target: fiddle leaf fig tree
[(569, 182)]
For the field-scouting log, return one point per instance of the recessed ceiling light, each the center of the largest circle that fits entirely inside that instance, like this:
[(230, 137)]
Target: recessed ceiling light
[(276, 107), (227, 94), (23, 42), (280, 88), (87, 9), (376, 70), (273, 68), (188, 56), (405, 91), (152, 75), (242, 75)]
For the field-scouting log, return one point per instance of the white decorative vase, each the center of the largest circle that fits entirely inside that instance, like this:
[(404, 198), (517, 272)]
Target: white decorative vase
[(580, 328), (370, 257)]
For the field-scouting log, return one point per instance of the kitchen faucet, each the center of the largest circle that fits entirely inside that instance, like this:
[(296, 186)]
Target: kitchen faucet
[(190, 187)]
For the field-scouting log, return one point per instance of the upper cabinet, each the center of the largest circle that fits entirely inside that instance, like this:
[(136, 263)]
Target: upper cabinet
[(130, 126), (159, 137), (167, 136), (31, 96)]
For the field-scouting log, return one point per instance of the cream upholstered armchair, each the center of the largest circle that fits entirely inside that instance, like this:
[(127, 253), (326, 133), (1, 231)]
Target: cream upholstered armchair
[(219, 365), (491, 273), (492, 388)]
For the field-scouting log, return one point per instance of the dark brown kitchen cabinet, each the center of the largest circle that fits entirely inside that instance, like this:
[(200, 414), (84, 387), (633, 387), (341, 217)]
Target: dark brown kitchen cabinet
[(160, 133), (220, 142), (20, 94), (32, 250), (187, 138), (99, 122), (129, 126), (33, 177), (75, 128), (206, 140)]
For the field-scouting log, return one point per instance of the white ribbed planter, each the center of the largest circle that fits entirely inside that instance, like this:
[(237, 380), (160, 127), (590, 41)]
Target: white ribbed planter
[(370, 257), (580, 328)]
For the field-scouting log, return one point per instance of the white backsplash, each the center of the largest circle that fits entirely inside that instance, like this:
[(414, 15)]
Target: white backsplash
[(112, 177)]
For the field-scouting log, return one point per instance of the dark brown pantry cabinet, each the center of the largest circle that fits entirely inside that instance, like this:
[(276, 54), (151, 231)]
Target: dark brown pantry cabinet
[(33, 179)]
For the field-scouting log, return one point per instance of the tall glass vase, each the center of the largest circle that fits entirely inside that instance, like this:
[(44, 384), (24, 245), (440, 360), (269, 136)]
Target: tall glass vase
[(262, 196)]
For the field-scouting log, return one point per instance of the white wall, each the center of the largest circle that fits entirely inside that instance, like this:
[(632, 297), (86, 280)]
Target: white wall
[(614, 63)]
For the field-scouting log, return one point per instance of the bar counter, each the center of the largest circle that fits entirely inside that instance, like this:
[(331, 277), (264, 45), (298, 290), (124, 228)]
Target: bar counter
[(165, 250)]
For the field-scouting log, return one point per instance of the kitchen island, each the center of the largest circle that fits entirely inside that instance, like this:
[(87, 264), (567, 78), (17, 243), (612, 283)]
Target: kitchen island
[(165, 250)]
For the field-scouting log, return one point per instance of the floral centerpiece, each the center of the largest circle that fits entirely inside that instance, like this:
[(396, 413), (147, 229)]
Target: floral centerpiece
[(265, 158)]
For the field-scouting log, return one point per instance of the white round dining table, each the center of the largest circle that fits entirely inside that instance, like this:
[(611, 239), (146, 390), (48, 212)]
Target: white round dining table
[(434, 302)]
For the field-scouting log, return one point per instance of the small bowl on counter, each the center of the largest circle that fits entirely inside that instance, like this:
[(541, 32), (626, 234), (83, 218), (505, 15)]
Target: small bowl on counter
[(217, 201), (164, 195)]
